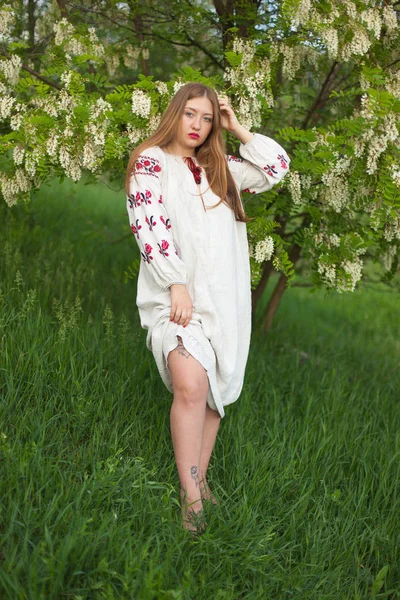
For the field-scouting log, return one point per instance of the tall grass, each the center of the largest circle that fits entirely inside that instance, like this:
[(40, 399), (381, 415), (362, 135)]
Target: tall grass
[(306, 466)]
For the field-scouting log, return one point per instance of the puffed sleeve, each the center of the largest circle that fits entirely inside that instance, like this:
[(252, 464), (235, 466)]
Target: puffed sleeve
[(263, 164), (150, 223)]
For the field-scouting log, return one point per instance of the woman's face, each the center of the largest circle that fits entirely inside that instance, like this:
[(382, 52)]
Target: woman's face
[(195, 124)]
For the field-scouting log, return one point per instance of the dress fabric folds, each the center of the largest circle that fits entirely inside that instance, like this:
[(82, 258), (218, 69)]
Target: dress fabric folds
[(182, 239)]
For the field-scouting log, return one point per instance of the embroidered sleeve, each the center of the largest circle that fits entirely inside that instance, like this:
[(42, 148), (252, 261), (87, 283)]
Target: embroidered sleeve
[(150, 223), (263, 164)]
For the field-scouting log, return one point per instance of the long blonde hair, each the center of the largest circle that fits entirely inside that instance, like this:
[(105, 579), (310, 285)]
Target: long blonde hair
[(210, 155)]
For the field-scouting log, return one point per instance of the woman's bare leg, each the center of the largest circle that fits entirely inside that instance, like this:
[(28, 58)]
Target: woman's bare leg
[(211, 425), (188, 414)]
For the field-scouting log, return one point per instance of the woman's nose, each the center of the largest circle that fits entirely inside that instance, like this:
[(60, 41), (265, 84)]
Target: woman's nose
[(196, 123)]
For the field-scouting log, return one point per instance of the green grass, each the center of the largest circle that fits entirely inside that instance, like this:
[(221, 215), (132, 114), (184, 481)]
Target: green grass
[(306, 466)]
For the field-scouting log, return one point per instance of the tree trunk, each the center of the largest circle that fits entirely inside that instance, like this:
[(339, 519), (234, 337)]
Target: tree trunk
[(278, 292), (258, 292)]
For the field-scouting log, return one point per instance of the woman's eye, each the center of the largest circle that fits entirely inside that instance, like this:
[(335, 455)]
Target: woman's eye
[(189, 114), (208, 119)]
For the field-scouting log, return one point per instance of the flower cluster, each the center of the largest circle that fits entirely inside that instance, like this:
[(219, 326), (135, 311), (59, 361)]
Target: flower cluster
[(11, 68), (294, 185), (141, 103), (15, 188), (6, 19), (264, 249), (66, 36), (251, 78)]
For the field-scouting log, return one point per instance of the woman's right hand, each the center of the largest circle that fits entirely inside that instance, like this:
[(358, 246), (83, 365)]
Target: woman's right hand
[(181, 304)]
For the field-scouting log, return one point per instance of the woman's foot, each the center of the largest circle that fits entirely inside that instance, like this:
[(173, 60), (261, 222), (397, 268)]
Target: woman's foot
[(206, 493), (192, 515)]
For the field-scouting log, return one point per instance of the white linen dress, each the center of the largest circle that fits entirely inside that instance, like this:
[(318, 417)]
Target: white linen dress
[(183, 240)]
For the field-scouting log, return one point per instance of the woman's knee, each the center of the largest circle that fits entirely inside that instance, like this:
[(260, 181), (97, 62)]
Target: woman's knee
[(190, 392)]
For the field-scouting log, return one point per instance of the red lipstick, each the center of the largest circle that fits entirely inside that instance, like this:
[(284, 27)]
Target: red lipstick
[(195, 136)]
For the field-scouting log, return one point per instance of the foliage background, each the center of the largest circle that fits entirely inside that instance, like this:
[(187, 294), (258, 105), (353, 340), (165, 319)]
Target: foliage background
[(83, 83)]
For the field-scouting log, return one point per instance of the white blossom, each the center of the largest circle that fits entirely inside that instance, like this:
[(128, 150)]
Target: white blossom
[(18, 155), (112, 63), (66, 78), (264, 249), (294, 185), (336, 190), (63, 31), (396, 175), (302, 13), (389, 18), (291, 61), (393, 84), (131, 56), (89, 158), (359, 45), (330, 38), (161, 87), (6, 106), (177, 86), (388, 257), (154, 122), (327, 272), (52, 145), (372, 19), (141, 103), (13, 187), (6, 19), (353, 270), (11, 68)]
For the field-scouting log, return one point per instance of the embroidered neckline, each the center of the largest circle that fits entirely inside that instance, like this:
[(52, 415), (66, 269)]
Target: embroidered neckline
[(196, 170)]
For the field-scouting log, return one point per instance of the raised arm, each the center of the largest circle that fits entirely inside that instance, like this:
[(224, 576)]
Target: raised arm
[(264, 162)]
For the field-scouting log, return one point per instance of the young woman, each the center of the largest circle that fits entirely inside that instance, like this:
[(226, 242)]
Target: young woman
[(193, 293)]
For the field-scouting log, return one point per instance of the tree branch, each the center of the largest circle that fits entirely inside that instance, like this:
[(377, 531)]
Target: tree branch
[(34, 73), (322, 91)]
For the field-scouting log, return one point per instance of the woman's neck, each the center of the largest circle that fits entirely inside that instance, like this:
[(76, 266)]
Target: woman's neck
[(177, 150)]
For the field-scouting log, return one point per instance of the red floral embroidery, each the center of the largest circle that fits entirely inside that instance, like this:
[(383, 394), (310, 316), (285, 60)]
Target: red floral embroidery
[(271, 170), (146, 255), (135, 229), (163, 247), (234, 159), (166, 223), (196, 171), (147, 165), (142, 197), (160, 199), (284, 161), (249, 191), (151, 223), (134, 201)]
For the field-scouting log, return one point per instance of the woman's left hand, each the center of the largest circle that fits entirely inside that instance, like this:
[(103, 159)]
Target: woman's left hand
[(229, 119), (230, 122)]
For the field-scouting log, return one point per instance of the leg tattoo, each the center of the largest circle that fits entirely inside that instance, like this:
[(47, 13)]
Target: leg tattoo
[(181, 348), (194, 474)]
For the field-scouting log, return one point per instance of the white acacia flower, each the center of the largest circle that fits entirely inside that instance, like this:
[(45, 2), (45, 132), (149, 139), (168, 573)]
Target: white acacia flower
[(294, 185), (11, 68), (264, 250), (354, 271), (389, 18), (63, 31), (141, 103), (331, 40), (52, 145), (336, 190), (6, 106), (6, 19), (302, 14), (161, 87), (18, 155)]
